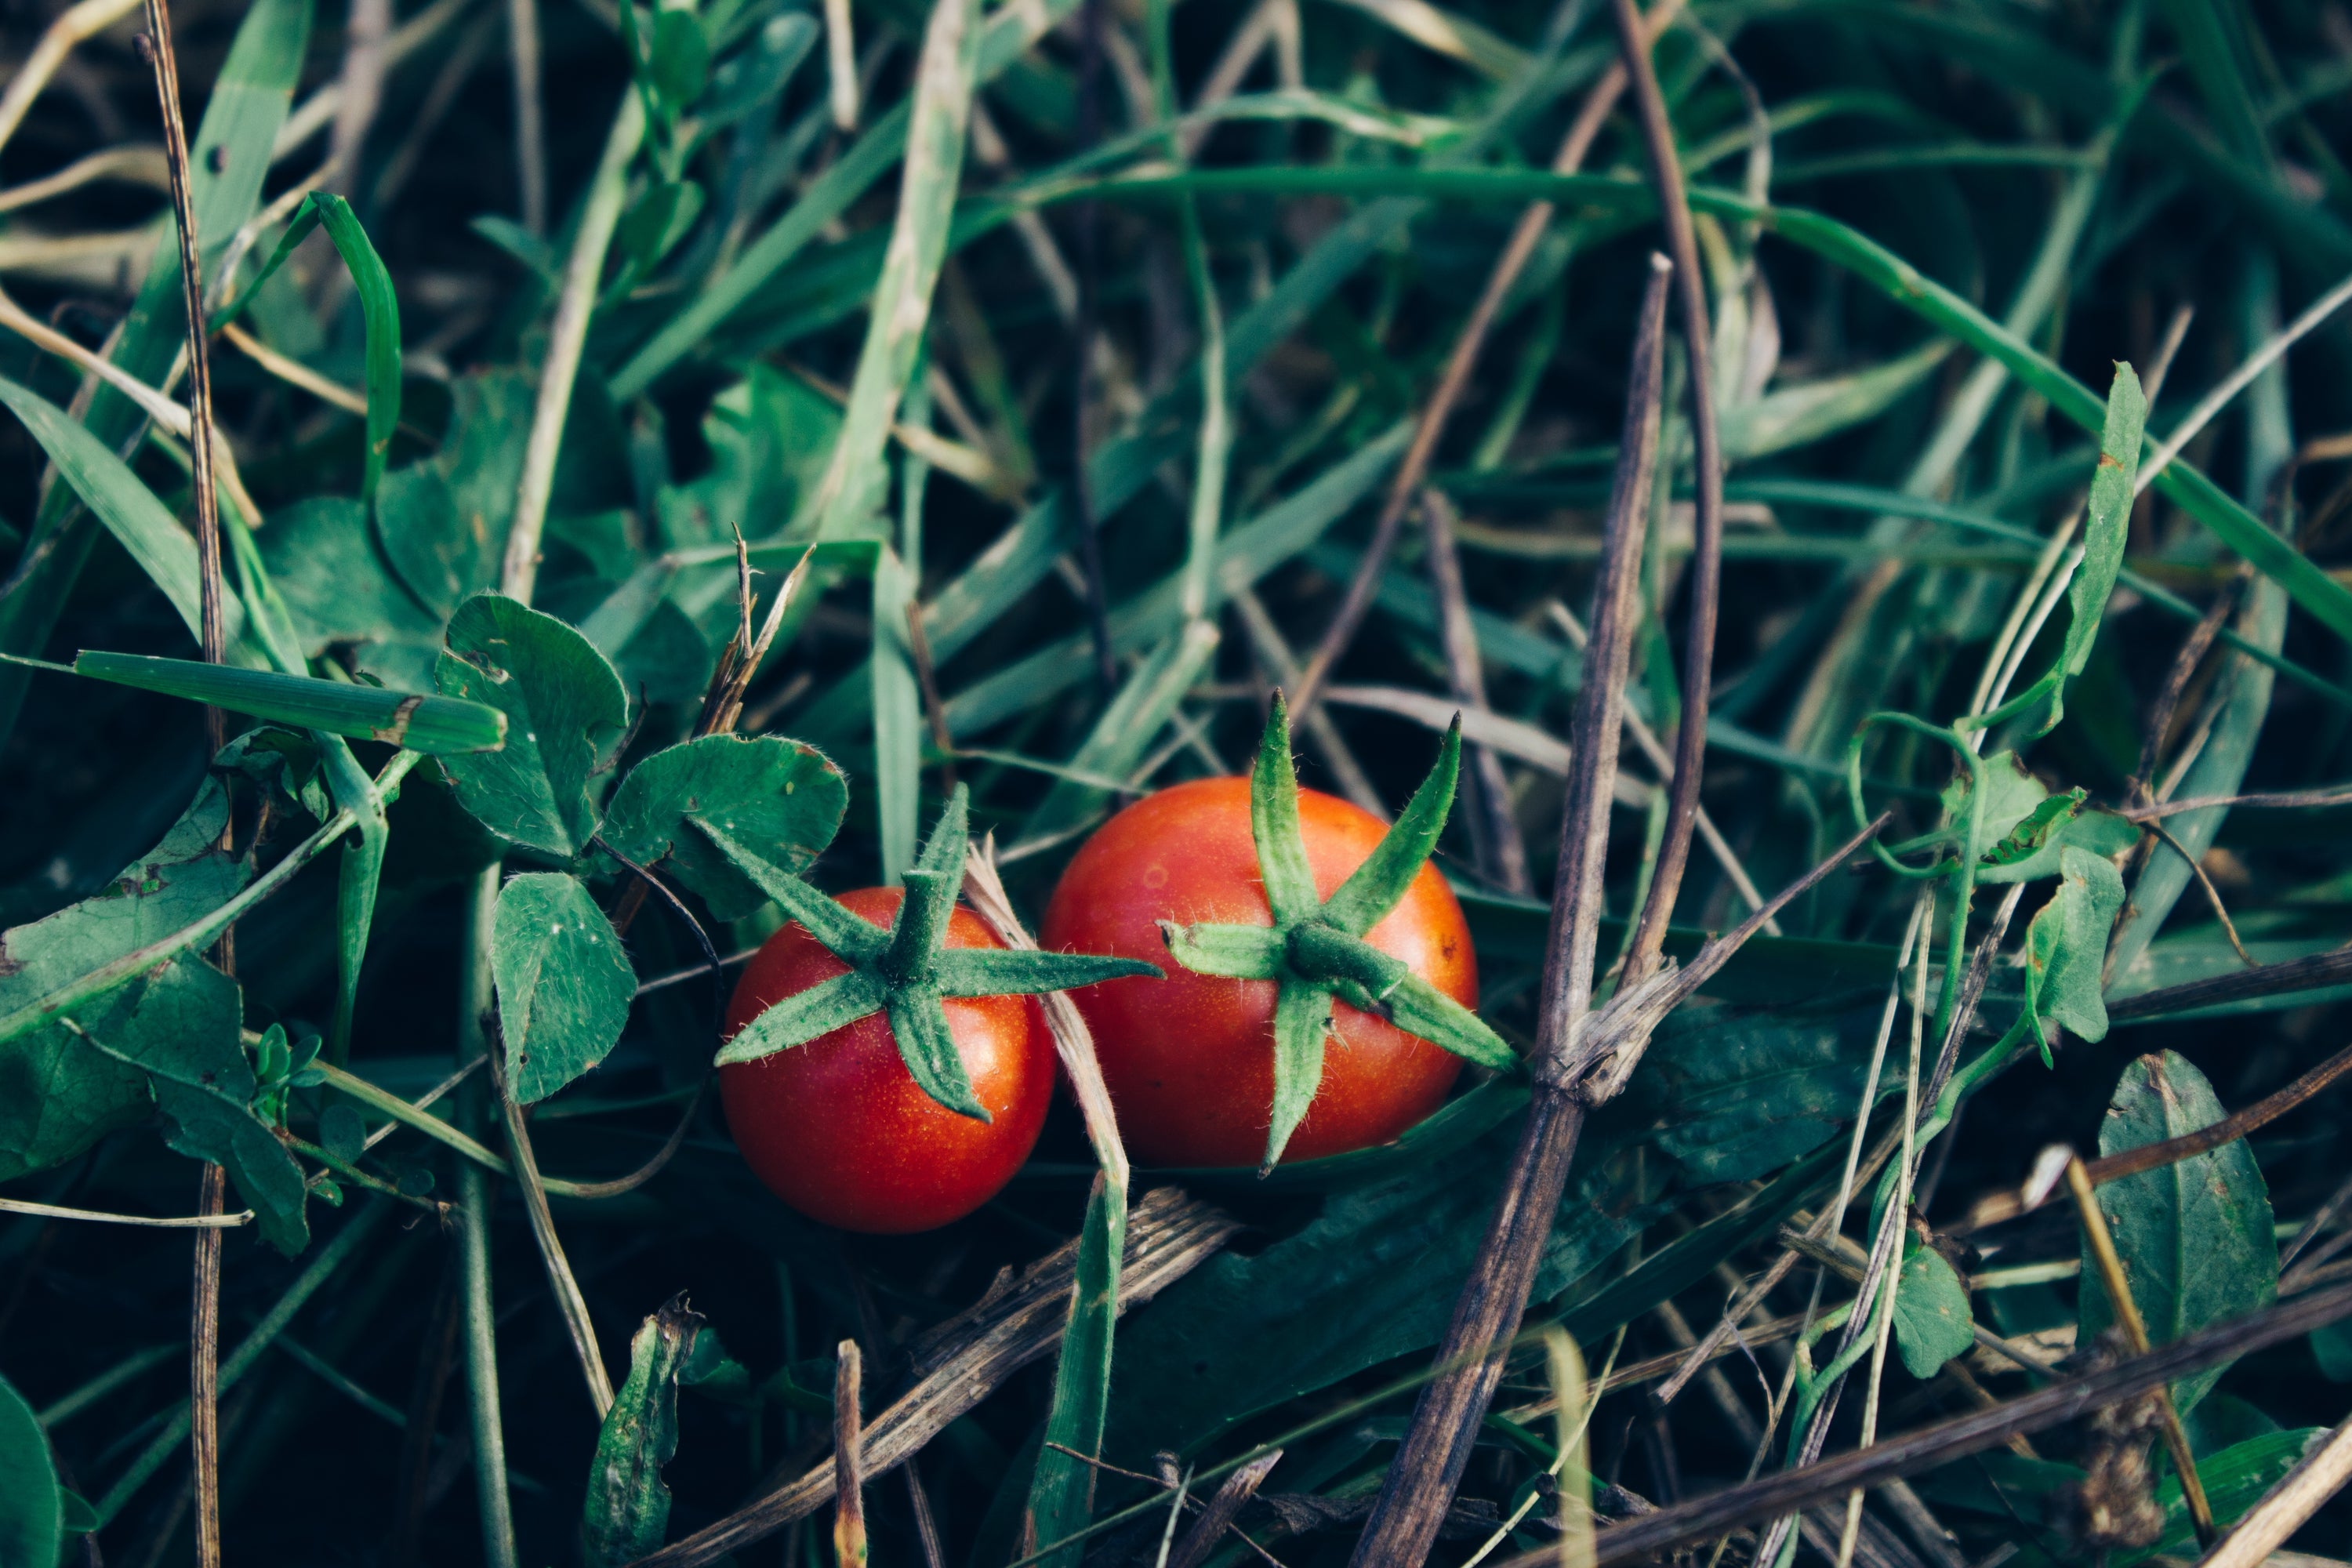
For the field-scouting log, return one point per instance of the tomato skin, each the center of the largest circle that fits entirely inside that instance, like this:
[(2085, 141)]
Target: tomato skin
[(1190, 1059), (839, 1128)]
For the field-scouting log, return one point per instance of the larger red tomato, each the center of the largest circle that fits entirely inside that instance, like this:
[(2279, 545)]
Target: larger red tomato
[(839, 1128), (1190, 1059)]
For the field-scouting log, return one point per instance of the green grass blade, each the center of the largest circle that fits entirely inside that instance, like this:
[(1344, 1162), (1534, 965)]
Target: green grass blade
[(1062, 1489), (897, 716), (379, 311), (1004, 38), (1128, 726), (1373, 889), (115, 495), (438, 725), (857, 478), (357, 879)]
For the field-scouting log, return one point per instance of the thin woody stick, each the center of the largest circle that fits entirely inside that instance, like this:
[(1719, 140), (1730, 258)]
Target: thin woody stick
[(203, 1312), (849, 1460), (1707, 550), (1445, 1422)]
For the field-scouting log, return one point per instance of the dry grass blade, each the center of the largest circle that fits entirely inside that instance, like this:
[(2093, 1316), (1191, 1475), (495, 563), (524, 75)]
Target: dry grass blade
[(83, 21), (1445, 1421), (1218, 1513), (2286, 1507), (964, 1360), (1495, 830), (560, 1280), (1702, 1518), (848, 1458), (2102, 1243)]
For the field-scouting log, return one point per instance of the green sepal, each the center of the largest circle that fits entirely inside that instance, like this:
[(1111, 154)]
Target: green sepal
[(803, 1015), (1009, 971), (1373, 890), (1386, 988), (942, 853), (1417, 1007), (853, 941), (919, 1024), (1302, 1015), (1229, 953), (920, 928), (1273, 825)]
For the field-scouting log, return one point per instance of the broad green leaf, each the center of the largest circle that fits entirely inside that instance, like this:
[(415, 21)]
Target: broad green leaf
[(59, 1095), (1932, 1323), (2092, 831), (358, 875), (440, 555), (1373, 1278), (2106, 523), (1302, 1017), (2067, 943), (2195, 1236), (418, 723), (1236, 953), (564, 984), (1062, 1491), (1131, 724), (2331, 1347), (1373, 889), (626, 1513), (165, 551), (338, 584), (779, 799), (769, 435), (563, 707), (2012, 797), (181, 1025), (31, 1507)]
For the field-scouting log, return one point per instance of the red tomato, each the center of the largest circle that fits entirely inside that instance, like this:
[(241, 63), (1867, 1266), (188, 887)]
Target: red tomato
[(839, 1128), (1190, 1059)]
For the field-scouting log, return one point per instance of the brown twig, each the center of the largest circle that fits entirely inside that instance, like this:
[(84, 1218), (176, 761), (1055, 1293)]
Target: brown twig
[(1445, 1421), (1701, 1519), (1220, 1511), (2127, 1310), (848, 1458), (203, 1316), (926, 1525), (1707, 549), (2192, 652), (2212, 894), (1493, 829), (2173, 1150), (959, 1363), (2337, 794), (1518, 251)]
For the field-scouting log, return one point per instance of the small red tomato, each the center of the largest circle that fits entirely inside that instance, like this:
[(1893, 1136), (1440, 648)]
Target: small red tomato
[(839, 1128), (1190, 1059)]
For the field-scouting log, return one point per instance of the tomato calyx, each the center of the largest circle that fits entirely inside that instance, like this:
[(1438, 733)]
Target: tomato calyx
[(1315, 950), (905, 973)]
